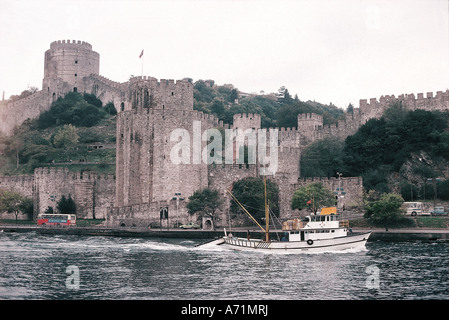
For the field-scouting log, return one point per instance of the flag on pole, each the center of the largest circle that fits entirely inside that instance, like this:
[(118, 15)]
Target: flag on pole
[(141, 54)]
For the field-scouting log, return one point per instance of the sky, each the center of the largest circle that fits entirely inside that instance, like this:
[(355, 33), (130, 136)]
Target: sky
[(329, 51)]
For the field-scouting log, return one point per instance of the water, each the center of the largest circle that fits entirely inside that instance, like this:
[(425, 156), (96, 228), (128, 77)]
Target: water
[(34, 266)]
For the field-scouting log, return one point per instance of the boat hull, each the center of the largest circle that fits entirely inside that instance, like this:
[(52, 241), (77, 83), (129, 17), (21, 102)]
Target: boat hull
[(354, 241)]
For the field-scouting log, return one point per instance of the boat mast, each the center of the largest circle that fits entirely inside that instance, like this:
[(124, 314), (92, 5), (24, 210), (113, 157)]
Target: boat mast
[(267, 216)]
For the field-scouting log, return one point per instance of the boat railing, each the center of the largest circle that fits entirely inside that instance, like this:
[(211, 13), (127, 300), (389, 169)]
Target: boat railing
[(243, 242)]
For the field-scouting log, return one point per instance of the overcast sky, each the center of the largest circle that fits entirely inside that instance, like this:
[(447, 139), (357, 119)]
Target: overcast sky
[(335, 51)]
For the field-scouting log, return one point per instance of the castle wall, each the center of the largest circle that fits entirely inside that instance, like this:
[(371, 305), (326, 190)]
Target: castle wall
[(221, 178), (93, 194), (15, 113), (22, 184), (352, 187), (375, 108), (106, 90), (147, 215)]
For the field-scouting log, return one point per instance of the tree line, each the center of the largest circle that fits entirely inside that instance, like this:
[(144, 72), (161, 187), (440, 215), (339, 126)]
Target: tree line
[(400, 151), (277, 110)]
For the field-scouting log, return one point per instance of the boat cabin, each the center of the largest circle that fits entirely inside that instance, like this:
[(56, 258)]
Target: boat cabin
[(314, 227)]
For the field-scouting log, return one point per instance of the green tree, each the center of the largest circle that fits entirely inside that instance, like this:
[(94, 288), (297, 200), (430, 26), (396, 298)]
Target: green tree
[(384, 210), (66, 205), (14, 202), (233, 96), (202, 92), (250, 193), (218, 108), (206, 202), (287, 114), (312, 196), (323, 158), (109, 108), (284, 96), (79, 110), (92, 99), (66, 137)]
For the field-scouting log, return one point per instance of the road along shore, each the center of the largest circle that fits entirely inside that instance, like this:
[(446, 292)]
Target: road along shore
[(412, 234)]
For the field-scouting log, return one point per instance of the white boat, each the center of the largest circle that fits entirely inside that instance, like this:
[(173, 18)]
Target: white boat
[(315, 233), (319, 233)]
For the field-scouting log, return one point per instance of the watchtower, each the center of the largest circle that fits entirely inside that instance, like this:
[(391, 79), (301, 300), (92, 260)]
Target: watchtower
[(69, 61), (309, 125)]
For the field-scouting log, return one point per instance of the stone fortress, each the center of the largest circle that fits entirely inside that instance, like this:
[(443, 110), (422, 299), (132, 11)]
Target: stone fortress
[(146, 179)]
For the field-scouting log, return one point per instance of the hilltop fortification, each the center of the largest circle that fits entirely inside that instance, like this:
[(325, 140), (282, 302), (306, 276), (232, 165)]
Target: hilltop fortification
[(156, 117)]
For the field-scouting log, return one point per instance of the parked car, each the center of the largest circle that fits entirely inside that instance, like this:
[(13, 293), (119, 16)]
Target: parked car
[(189, 225), (439, 211)]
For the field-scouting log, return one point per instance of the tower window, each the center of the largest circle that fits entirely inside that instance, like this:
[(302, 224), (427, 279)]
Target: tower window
[(76, 75), (76, 61), (75, 89)]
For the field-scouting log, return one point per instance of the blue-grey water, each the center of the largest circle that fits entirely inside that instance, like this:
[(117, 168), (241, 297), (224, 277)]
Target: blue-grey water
[(35, 266)]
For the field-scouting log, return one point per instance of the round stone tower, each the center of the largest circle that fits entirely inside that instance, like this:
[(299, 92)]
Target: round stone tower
[(69, 61)]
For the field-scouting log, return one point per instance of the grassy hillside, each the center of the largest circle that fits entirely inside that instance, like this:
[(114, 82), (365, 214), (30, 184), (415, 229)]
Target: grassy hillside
[(40, 143)]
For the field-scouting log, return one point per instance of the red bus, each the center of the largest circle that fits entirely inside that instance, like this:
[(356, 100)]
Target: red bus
[(56, 219)]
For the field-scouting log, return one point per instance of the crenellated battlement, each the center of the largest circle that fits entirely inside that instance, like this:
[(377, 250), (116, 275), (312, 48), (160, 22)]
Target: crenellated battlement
[(230, 167), (161, 82), (65, 43), (440, 95), (61, 172), (430, 102), (245, 121), (148, 92), (5, 180), (246, 115), (343, 180), (41, 171), (310, 117), (108, 82)]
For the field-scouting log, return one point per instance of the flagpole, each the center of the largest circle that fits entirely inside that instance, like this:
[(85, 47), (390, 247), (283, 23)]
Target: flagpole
[(141, 57)]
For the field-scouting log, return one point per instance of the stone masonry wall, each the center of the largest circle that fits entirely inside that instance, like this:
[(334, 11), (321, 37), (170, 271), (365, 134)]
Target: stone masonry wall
[(93, 193), (22, 184), (375, 108)]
